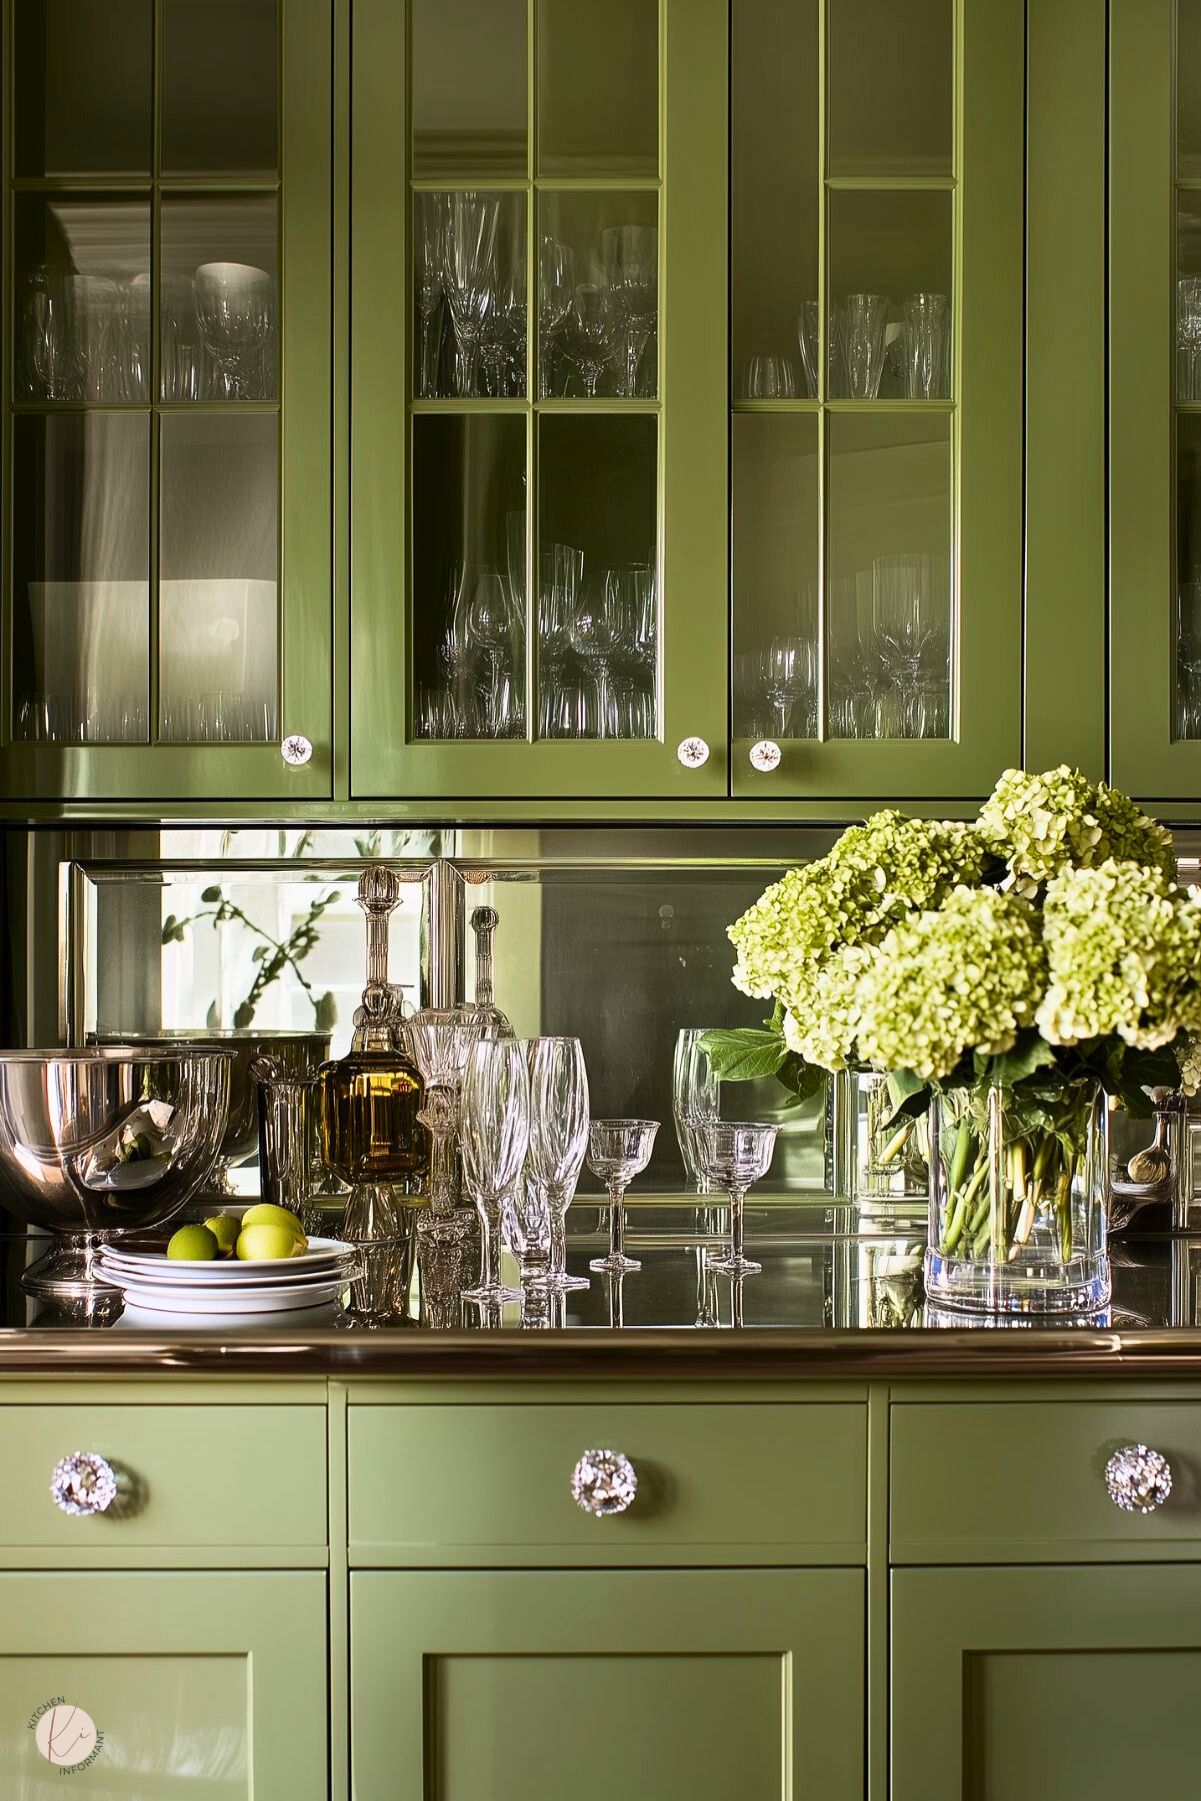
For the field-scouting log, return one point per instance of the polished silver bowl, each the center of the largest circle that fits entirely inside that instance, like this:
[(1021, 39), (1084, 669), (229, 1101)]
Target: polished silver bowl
[(100, 1140)]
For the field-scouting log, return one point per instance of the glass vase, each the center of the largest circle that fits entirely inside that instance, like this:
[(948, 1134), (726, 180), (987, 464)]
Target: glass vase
[(883, 1162), (1017, 1200)]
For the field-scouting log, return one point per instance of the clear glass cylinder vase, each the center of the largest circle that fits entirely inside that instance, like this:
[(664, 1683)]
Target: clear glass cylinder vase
[(883, 1160), (1017, 1200)]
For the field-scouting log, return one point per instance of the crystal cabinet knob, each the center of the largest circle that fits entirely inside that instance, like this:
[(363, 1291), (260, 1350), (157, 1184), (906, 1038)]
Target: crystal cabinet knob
[(296, 750), (692, 752), (765, 756), (83, 1483), (604, 1482), (1138, 1479)]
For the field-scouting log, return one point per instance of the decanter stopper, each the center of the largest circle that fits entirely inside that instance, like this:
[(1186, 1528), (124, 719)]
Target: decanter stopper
[(379, 896), (484, 921)]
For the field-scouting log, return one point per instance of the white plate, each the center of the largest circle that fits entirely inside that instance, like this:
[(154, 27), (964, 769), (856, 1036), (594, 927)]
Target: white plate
[(322, 1254), (261, 1300), (295, 1278), (147, 1319)]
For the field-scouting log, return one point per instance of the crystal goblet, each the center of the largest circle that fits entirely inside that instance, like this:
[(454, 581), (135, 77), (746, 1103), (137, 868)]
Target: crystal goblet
[(617, 1150), (735, 1154)]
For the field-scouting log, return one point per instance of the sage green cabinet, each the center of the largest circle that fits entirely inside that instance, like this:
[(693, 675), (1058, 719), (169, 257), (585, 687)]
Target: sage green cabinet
[(167, 568), (146, 1686), (1073, 1683), (680, 1685)]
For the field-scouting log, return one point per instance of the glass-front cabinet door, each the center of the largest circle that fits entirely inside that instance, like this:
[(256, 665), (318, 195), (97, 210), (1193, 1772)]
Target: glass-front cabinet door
[(1155, 397), (876, 362), (539, 439), (166, 388)]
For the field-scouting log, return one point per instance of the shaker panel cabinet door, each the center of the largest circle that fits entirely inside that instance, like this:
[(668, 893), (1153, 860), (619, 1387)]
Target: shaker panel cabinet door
[(652, 1686), (166, 409), (1077, 1684), (147, 1687)]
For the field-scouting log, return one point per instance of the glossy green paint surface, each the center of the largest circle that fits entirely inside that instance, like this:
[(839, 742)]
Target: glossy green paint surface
[(213, 1686), (654, 1685)]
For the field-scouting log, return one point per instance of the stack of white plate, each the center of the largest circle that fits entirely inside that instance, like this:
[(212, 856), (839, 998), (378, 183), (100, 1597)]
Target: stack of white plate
[(153, 1283)]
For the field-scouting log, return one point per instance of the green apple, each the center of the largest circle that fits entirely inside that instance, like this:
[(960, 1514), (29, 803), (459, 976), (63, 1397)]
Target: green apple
[(264, 1213), (263, 1240), (224, 1228), (193, 1244)]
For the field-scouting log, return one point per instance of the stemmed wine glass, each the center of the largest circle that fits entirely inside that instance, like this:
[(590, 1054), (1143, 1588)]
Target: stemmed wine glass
[(556, 293), (630, 258), (429, 232), (558, 1139), (492, 621), (595, 634), (735, 1154), (233, 311), (617, 1150), (588, 334), (468, 249), (695, 1100), (495, 1135), (1188, 659), (440, 1040)]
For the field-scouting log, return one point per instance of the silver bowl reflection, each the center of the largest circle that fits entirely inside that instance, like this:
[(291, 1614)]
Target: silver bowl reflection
[(100, 1140)]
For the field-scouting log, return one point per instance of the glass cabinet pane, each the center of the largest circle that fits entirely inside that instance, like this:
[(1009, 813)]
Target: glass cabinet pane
[(218, 577), (598, 87), (774, 200), (81, 577), (469, 561), (891, 269), (470, 301), (890, 99), (82, 298), (598, 294), (469, 63), (775, 532), (84, 96), (889, 612), (220, 87), (1188, 576), (1188, 89), (598, 628), (219, 260)]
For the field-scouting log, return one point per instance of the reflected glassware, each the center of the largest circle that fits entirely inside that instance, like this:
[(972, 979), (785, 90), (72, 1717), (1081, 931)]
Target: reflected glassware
[(862, 328), (468, 252), (52, 369), (924, 345), (768, 378), (1188, 337), (429, 227), (495, 1133), (234, 306), (526, 1231), (558, 1139), (808, 331), (695, 1100), (630, 258), (617, 1150), (588, 337), (186, 370), (439, 1040), (556, 294), (134, 338), (735, 1154), (1188, 660)]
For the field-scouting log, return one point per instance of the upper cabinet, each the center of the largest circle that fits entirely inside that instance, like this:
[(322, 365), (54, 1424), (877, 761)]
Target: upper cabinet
[(166, 401), (539, 472), (1155, 397), (876, 429)]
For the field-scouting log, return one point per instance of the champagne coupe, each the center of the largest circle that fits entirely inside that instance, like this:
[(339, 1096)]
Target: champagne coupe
[(558, 1139), (495, 1134), (556, 293), (630, 258), (617, 1150), (429, 230), (439, 1040), (468, 252), (735, 1154)]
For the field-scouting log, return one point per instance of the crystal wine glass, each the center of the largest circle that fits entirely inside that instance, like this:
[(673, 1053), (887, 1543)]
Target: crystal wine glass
[(525, 1228), (862, 322), (924, 345), (495, 1134), (596, 634), (558, 1139), (1188, 659), (440, 1040), (468, 252), (556, 293), (588, 334), (233, 311), (493, 622), (617, 1150), (735, 1154), (630, 257), (429, 232)]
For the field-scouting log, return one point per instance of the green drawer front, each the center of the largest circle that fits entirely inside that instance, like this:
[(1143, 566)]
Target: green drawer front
[(757, 1483), (245, 1479), (1024, 1482)]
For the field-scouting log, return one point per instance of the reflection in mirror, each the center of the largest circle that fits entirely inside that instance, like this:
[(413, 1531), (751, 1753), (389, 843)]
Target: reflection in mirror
[(83, 87), (598, 294), (890, 101), (220, 336), (598, 88), (468, 87), (775, 550), (775, 193), (891, 272), (218, 577), (81, 591), (1187, 723), (82, 298), (220, 87), (469, 312), (598, 637), (888, 599), (469, 575)]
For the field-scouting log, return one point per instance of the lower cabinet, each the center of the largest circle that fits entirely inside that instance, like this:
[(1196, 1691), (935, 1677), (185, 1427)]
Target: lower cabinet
[(651, 1685), (1074, 1684), (145, 1686)]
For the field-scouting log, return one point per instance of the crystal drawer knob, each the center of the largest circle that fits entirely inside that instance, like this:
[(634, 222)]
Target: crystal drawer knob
[(1138, 1479), (765, 756), (604, 1482), (296, 750), (692, 752), (83, 1483)]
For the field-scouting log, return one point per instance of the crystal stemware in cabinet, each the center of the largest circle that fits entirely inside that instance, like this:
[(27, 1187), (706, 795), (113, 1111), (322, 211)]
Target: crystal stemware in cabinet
[(630, 257), (558, 1139), (862, 322), (429, 231), (924, 346), (1188, 660), (468, 253), (808, 337), (233, 311), (618, 1150), (735, 1155), (493, 623), (495, 1135), (556, 294), (588, 334)]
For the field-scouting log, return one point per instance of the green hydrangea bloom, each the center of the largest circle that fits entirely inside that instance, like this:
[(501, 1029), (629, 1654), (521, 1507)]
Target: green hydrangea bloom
[(1124, 956), (827, 1031), (965, 978), (1042, 824)]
